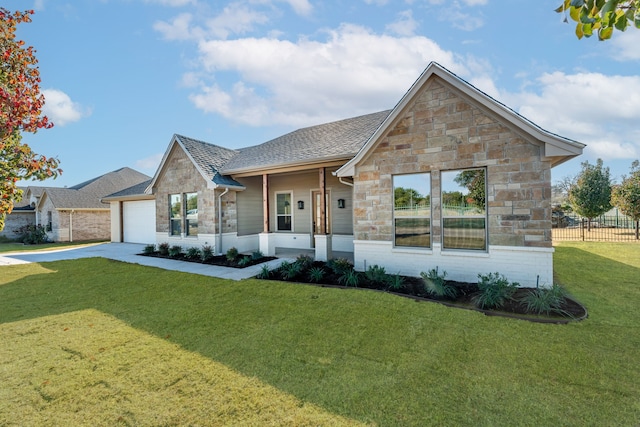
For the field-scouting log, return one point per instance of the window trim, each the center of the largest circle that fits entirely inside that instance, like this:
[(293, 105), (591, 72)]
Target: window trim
[(430, 217), (185, 214), (484, 216), (177, 220), (278, 215)]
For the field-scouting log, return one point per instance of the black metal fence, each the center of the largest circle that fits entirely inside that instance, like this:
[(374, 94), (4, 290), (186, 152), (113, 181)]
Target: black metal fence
[(611, 228)]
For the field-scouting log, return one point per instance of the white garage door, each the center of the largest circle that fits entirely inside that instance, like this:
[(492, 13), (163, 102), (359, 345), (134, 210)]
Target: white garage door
[(139, 220)]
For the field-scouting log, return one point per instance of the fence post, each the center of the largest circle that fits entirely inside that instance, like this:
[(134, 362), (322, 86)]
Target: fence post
[(582, 229)]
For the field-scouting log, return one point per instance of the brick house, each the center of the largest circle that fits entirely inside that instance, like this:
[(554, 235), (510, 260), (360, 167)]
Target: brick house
[(448, 178), (75, 213)]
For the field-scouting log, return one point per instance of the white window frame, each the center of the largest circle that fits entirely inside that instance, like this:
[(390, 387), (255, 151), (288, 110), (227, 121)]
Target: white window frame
[(290, 214)]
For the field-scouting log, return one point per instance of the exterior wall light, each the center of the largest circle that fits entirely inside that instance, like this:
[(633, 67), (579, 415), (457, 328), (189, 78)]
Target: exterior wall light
[(300, 204), (341, 203)]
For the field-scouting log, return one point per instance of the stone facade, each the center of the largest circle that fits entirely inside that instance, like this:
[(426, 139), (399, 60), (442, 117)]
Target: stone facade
[(179, 176), (442, 130), (15, 220)]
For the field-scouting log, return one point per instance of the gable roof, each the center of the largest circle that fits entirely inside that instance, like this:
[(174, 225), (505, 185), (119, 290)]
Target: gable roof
[(557, 148), (207, 158), (135, 192), (88, 195), (339, 140)]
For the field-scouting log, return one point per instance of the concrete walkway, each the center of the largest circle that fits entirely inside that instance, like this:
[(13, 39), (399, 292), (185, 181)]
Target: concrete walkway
[(128, 252)]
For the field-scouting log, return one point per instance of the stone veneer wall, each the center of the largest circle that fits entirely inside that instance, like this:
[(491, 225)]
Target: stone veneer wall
[(180, 176), (442, 131), (85, 225)]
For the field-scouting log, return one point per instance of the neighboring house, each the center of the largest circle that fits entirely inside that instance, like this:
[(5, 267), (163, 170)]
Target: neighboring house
[(75, 213), (449, 178)]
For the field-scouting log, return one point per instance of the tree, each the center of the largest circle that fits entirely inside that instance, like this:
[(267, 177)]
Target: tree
[(473, 180), (601, 16), (590, 196), (20, 111), (626, 196)]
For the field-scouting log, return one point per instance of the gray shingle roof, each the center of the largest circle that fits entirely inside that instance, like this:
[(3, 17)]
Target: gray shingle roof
[(210, 159), (87, 195), (134, 190), (340, 139)]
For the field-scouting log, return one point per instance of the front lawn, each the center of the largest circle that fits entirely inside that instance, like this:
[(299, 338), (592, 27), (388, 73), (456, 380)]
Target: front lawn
[(12, 247), (98, 342)]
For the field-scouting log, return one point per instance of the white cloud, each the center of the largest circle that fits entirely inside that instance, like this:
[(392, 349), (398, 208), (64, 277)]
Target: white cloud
[(179, 28), (235, 19), (150, 163), (592, 108), (625, 45), (298, 83), (405, 25), (301, 7), (172, 3), (60, 109)]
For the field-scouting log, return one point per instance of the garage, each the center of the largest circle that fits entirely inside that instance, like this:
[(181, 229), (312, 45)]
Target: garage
[(139, 221)]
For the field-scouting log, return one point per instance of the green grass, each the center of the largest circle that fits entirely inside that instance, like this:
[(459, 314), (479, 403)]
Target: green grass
[(9, 247), (100, 342)]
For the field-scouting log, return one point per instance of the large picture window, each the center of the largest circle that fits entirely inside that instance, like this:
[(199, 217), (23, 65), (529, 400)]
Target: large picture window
[(191, 218), (283, 211), (464, 212), (175, 214), (412, 210)]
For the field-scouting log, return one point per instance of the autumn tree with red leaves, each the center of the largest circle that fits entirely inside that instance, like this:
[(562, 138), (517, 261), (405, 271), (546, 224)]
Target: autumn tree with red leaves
[(20, 111)]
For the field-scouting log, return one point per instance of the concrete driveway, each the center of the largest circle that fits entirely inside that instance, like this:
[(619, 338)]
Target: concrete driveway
[(128, 252)]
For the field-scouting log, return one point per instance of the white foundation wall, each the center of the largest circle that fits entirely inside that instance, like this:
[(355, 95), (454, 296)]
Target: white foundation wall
[(517, 264)]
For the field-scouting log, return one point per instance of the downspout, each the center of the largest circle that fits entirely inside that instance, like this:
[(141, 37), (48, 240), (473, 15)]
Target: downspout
[(71, 225), (226, 190)]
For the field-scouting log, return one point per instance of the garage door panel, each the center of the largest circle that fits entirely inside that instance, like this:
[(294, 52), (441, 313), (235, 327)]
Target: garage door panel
[(139, 221)]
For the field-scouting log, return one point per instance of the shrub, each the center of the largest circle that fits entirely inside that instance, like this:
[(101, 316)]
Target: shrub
[(304, 261), (163, 248), (435, 284), (207, 253), (194, 253), (256, 255), (316, 274), (376, 275), (289, 270), (495, 290), (350, 278), (149, 249), (395, 282), (244, 261), (545, 300), (175, 251), (32, 234), (340, 265), (265, 273), (232, 254)]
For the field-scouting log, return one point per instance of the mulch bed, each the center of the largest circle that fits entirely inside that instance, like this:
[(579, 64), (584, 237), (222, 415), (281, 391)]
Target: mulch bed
[(220, 260)]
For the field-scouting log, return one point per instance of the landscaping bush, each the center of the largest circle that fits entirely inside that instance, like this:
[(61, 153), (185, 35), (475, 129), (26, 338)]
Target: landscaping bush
[(175, 251), (436, 286), (207, 253), (149, 250), (232, 254), (545, 300), (376, 275), (32, 234), (163, 249), (194, 253), (494, 289)]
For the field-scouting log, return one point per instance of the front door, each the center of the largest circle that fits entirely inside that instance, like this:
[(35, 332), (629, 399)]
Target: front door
[(316, 197)]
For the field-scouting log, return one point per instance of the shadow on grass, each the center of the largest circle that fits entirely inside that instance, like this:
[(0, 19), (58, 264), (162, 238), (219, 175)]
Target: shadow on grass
[(372, 356)]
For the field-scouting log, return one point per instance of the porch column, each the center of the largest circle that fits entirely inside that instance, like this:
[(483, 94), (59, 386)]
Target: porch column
[(323, 202), (265, 203), (322, 239), (267, 239)]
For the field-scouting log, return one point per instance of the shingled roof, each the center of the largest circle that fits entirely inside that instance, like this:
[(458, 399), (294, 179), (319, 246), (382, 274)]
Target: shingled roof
[(336, 140), (210, 159), (88, 195)]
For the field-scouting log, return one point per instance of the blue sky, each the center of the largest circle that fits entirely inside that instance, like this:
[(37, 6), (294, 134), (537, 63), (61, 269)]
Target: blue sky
[(120, 77)]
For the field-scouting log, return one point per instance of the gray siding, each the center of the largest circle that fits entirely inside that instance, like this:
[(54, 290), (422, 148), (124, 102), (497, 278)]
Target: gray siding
[(249, 204)]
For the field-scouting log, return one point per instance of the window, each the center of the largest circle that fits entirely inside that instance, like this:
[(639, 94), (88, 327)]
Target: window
[(464, 213), (283, 211), (49, 226), (191, 219), (175, 214), (412, 210)]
